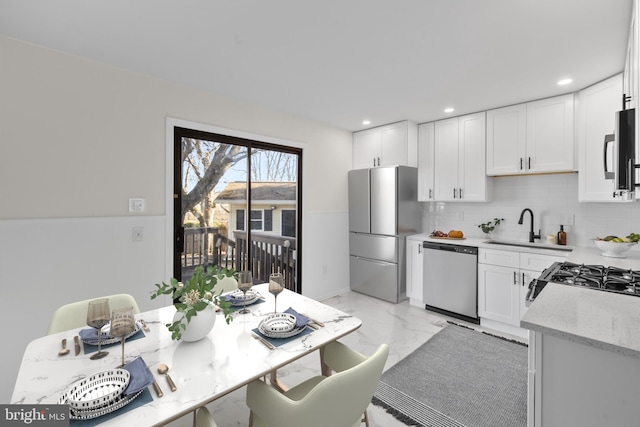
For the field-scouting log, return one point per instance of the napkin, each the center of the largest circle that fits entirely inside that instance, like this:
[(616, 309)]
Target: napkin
[(91, 334), (141, 377), (300, 319)]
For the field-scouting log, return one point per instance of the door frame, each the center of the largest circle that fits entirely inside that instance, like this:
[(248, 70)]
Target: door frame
[(171, 124)]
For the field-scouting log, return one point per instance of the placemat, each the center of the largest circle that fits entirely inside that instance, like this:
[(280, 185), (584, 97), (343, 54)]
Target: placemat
[(277, 342), (89, 348)]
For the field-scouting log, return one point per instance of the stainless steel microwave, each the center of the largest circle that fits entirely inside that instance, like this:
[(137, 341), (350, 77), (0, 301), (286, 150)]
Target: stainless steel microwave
[(621, 146)]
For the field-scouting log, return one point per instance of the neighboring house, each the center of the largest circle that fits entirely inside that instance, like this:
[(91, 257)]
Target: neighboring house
[(273, 207)]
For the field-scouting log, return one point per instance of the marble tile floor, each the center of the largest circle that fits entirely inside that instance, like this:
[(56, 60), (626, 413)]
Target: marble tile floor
[(402, 326)]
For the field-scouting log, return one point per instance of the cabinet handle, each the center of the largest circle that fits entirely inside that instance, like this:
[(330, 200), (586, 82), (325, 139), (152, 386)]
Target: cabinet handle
[(419, 248), (529, 167), (460, 193), (374, 162), (430, 191), (523, 279), (378, 161), (520, 163), (454, 193), (515, 278)]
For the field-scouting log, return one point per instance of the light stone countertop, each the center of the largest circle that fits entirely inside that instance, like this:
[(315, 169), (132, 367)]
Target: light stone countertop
[(604, 320)]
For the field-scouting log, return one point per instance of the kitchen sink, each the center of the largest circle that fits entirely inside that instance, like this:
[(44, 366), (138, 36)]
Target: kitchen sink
[(545, 246)]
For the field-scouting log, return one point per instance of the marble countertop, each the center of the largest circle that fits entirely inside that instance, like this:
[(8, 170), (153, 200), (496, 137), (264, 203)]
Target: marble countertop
[(603, 320), (600, 319)]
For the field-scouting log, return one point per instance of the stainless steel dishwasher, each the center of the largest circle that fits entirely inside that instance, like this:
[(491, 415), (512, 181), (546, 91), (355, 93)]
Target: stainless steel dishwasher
[(451, 280)]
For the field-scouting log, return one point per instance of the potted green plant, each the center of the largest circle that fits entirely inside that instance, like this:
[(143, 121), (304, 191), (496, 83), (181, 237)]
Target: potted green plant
[(194, 297), (488, 227)]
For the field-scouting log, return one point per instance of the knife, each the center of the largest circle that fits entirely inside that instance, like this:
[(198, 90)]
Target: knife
[(263, 341), (317, 322), (76, 343)]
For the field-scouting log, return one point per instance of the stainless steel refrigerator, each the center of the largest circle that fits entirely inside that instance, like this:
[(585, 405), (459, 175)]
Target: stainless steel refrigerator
[(383, 210)]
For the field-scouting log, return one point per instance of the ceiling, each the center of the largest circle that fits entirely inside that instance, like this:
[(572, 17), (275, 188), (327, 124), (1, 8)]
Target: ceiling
[(342, 61)]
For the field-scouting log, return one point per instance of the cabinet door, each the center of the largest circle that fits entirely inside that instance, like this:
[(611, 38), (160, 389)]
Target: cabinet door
[(597, 106), (499, 294), (506, 140), (446, 159), (426, 162), (393, 144), (550, 135), (366, 148), (472, 177), (414, 270), (526, 276)]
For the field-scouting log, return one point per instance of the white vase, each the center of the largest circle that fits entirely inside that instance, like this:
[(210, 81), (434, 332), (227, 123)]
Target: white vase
[(199, 326)]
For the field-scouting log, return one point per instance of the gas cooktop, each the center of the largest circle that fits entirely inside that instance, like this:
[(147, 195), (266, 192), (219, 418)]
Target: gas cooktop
[(611, 279)]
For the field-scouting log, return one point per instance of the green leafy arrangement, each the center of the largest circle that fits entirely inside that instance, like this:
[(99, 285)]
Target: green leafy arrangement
[(488, 227), (194, 296)]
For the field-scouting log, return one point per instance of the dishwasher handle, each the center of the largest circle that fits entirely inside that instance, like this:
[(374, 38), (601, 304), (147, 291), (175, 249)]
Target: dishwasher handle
[(450, 248)]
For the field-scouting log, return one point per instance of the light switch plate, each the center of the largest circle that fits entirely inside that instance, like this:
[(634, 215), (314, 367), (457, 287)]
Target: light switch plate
[(136, 205)]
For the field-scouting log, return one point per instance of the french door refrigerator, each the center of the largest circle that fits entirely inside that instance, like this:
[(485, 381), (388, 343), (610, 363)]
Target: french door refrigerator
[(383, 210)]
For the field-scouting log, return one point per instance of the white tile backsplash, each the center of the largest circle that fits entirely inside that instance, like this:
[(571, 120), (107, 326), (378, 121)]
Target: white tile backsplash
[(551, 198)]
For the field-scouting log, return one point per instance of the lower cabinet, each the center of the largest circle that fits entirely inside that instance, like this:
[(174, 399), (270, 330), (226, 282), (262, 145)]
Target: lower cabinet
[(415, 271), (503, 282)]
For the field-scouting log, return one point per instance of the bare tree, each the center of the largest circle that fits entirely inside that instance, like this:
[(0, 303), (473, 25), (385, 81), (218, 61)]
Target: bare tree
[(273, 166), (206, 163)]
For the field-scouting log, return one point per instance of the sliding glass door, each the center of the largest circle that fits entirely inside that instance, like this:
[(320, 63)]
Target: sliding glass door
[(236, 205)]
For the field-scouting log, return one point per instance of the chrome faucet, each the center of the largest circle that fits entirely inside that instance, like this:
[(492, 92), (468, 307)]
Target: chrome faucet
[(531, 234)]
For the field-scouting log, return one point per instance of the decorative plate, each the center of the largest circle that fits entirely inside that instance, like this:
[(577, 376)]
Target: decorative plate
[(280, 325), (288, 334), (119, 402), (236, 297), (98, 389), (108, 339)]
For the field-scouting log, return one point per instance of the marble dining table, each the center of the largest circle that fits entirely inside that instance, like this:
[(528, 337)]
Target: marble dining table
[(228, 358)]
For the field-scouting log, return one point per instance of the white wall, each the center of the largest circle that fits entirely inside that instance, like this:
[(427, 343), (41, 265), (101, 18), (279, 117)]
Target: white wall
[(550, 197), (77, 140)]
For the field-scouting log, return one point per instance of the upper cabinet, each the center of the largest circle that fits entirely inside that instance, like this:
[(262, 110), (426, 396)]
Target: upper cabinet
[(531, 138), (459, 167), (389, 145), (426, 162), (597, 106)]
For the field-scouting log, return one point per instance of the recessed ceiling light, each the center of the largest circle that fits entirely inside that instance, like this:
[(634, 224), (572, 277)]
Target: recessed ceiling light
[(366, 122), (564, 82), (449, 110)]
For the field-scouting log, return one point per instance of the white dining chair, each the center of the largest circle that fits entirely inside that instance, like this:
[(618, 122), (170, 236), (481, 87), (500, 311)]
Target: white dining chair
[(74, 315), (226, 284), (339, 400), (203, 418)]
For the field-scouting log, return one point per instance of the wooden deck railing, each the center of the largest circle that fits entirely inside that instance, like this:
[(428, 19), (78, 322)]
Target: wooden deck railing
[(269, 254)]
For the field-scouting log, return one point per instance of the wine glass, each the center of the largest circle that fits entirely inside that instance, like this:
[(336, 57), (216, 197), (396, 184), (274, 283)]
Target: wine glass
[(275, 287), (123, 322), (245, 281), (97, 317)]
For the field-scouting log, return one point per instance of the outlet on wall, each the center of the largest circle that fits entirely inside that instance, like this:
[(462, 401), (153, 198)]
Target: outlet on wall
[(569, 219)]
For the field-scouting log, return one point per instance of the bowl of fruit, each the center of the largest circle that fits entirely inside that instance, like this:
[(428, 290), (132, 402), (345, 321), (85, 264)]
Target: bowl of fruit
[(614, 246)]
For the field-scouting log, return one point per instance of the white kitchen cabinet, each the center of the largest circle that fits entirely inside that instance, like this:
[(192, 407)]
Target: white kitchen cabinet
[(426, 162), (414, 271), (576, 384), (506, 140), (597, 106), (535, 137), (550, 135), (388, 145), (459, 166), (503, 281)]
